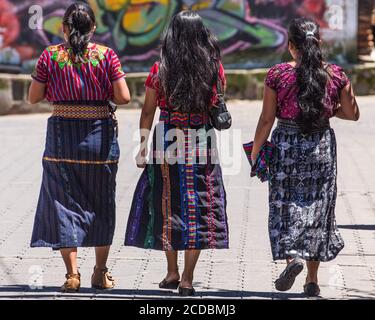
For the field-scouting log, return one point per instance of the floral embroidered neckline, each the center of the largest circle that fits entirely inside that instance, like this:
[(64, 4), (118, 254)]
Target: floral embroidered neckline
[(64, 56)]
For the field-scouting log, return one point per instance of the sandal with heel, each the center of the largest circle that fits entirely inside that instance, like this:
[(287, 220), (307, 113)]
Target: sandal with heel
[(72, 283), (101, 279)]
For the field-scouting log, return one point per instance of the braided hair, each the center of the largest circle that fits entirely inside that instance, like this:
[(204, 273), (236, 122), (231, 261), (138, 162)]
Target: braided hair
[(312, 76), (80, 19)]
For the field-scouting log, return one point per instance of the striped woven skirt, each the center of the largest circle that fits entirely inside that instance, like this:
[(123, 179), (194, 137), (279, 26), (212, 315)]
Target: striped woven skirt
[(76, 205), (180, 201), (302, 194)]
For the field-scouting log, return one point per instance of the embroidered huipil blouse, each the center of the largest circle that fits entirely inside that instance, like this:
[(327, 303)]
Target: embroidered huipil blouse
[(282, 78), (153, 82), (89, 80)]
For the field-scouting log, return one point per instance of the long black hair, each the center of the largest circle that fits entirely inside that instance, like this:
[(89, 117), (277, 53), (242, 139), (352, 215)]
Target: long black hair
[(312, 76), (189, 65), (80, 19)]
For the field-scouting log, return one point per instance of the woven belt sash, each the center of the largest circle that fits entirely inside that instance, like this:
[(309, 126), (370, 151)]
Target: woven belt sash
[(181, 119), (81, 111), (290, 124)]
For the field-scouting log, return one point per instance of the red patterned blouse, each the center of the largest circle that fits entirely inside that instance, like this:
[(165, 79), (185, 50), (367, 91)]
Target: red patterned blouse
[(153, 82), (89, 80)]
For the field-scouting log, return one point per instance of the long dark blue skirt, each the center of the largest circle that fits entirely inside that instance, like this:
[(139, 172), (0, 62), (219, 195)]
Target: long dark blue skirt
[(76, 205)]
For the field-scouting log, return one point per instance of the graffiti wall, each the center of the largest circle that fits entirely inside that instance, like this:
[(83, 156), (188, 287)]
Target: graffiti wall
[(252, 33)]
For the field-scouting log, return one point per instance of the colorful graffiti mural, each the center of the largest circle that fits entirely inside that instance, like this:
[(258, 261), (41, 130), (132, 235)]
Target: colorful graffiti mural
[(252, 33)]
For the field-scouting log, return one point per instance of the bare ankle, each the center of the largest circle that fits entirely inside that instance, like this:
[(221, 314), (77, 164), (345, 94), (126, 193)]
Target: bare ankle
[(72, 271), (174, 275), (186, 283), (310, 279), (187, 277), (100, 267)]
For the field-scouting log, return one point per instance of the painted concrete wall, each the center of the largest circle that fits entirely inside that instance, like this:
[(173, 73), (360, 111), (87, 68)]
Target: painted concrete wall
[(252, 33)]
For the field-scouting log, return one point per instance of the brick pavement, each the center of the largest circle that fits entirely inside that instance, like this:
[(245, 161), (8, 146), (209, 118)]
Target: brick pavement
[(245, 271)]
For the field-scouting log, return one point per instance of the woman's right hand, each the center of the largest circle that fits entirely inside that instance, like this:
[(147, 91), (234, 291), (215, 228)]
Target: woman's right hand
[(254, 156), (253, 159)]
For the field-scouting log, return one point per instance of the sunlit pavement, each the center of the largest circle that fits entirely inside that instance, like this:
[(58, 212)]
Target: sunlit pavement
[(245, 271)]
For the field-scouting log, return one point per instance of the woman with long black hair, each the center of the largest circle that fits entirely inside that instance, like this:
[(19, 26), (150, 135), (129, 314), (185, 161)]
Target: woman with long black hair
[(180, 201), (76, 205), (303, 95)]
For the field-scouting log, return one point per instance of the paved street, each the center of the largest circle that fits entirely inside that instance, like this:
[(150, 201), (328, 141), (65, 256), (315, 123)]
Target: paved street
[(245, 271)]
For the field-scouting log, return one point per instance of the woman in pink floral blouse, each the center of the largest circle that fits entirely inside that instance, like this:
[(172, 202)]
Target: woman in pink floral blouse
[(303, 95)]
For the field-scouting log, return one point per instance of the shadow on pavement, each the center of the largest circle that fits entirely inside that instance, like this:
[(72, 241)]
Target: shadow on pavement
[(24, 292), (357, 226), (357, 294)]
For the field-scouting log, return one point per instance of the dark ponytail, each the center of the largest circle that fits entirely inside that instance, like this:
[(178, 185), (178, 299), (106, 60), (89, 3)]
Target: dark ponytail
[(312, 76), (80, 19)]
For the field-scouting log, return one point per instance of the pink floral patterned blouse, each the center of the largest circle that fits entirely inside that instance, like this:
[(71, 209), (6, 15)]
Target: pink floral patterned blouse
[(282, 79)]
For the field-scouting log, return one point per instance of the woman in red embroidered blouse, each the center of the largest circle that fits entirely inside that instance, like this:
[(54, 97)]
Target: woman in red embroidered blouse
[(180, 201), (303, 95), (153, 82), (79, 78), (92, 79)]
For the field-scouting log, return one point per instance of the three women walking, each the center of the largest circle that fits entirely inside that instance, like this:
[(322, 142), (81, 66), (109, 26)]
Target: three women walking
[(179, 203)]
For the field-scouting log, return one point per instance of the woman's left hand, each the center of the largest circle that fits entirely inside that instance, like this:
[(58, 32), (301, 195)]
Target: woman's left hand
[(141, 159)]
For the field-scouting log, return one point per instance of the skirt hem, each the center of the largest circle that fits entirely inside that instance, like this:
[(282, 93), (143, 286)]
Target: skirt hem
[(300, 256), (177, 249), (43, 244)]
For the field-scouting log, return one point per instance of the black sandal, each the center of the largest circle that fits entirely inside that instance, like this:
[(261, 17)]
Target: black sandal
[(169, 284), (311, 289), (186, 292), (288, 276)]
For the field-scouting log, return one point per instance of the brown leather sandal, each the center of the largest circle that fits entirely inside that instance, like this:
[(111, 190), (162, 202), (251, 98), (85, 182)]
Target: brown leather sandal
[(102, 279), (72, 283)]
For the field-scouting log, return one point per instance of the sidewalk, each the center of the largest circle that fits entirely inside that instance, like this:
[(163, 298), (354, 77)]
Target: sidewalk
[(245, 271)]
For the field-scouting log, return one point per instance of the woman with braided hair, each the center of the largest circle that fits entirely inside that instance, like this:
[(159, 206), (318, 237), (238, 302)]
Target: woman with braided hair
[(76, 205), (303, 95)]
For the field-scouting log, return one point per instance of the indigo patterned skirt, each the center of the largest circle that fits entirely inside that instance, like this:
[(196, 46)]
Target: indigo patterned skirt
[(302, 194), (180, 204), (76, 205)]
